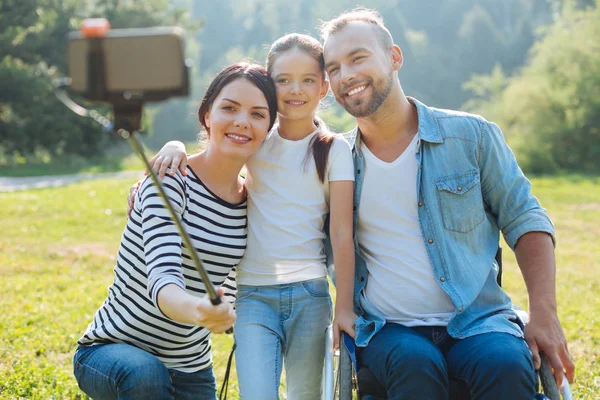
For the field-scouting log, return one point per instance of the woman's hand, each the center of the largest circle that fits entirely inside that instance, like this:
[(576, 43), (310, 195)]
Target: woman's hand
[(173, 156), (343, 321), (216, 319), (182, 307)]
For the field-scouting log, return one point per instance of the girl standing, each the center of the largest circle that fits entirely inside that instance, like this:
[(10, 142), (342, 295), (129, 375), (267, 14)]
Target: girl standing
[(301, 174)]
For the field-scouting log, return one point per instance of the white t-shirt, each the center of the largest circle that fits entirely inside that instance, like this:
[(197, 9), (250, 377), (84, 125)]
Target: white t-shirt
[(287, 206), (401, 283)]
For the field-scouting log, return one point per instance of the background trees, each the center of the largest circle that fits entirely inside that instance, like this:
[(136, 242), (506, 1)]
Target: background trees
[(530, 65)]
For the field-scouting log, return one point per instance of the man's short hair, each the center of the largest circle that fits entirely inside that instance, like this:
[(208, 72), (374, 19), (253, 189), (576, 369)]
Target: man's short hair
[(360, 14)]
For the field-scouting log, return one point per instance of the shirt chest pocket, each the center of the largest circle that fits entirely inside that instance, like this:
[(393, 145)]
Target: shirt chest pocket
[(461, 202)]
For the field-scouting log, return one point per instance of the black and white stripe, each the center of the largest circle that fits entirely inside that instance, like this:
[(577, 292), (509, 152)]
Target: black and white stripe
[(152, 255)]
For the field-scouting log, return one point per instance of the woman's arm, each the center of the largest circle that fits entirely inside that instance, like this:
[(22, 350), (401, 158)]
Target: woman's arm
[(171, 155), (182, 307), (341, 200)]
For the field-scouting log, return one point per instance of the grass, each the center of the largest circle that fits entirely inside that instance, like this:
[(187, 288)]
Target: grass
[(58, 248)]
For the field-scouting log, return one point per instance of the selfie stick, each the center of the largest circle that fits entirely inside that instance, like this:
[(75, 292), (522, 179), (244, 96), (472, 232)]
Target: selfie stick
[(127, 117), (137, 147)]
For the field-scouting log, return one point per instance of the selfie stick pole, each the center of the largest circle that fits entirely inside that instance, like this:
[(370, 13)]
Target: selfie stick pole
[(137, 147), (127, 120)]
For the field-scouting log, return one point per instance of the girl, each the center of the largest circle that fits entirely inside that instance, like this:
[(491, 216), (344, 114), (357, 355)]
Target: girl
[(151, 337), (301, 173)]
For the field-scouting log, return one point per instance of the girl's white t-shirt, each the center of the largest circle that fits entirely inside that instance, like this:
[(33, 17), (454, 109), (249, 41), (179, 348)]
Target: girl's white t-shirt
[(287, 207)]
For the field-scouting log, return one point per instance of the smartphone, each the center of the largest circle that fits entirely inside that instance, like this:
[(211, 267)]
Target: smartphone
[(129, 65)]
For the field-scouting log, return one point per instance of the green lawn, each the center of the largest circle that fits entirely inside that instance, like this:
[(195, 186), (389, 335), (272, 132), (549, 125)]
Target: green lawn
[(58, 247)]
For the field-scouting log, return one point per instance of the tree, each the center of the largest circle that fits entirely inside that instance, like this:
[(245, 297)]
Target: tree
[(551, 109)]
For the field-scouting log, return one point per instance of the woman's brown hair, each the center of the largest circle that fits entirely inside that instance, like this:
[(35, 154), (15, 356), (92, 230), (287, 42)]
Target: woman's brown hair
[(254, 73), (321, 143)]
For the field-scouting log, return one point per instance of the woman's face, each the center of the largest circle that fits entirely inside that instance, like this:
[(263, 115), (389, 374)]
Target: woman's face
[(238, 119), (300, 84)]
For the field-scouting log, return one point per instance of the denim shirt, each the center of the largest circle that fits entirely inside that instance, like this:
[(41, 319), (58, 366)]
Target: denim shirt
[(469, 188)]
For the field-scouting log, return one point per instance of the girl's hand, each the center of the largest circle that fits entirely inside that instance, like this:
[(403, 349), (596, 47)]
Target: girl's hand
[(216, 319), (173, 156), (343, 321)]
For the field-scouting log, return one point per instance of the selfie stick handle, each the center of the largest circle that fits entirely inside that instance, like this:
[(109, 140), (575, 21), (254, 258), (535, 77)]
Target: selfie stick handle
[(210, 290)]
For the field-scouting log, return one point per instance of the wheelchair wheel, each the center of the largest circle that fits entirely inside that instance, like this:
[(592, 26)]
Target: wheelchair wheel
[(549, 386), (344, 375)]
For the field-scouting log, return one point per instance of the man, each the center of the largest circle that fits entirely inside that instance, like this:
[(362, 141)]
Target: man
[(433, 190)]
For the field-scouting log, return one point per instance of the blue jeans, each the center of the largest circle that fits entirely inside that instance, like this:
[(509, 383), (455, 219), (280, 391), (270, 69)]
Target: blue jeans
[(122, 371), (415, 363), (281, 324)]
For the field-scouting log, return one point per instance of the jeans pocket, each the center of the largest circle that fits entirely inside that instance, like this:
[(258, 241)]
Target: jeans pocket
[(244, 292), (317, 287), (461, 201)]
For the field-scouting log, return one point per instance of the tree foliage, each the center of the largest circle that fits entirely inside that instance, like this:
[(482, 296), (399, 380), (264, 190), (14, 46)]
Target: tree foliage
[(33, 123), (550, 110), (445, 43)]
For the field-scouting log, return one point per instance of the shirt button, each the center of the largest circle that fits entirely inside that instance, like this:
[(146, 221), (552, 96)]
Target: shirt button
[(430, 241), (362, 278), (459, 188), (358, 171), (420, 204), (460, 336), (442, 279), (460, 309)]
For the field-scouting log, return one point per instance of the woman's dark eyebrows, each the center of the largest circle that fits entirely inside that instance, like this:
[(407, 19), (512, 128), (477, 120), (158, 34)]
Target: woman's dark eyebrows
[(238, 104)]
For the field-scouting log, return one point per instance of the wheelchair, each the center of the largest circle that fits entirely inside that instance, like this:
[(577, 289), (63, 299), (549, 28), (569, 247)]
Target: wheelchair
[(345, 379)]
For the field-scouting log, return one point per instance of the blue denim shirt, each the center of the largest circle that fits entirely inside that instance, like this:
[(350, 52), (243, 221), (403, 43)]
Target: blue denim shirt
[(469, 188)]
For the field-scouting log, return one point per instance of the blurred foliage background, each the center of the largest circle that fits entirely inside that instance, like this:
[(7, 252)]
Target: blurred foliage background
[(532, 66)]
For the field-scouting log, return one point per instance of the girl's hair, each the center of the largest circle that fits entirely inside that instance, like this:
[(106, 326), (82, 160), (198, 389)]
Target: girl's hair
[(320, 144), (253, 73)]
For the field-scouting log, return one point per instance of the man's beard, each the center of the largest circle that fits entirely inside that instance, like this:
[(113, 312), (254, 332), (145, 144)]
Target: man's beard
[(358, 108)]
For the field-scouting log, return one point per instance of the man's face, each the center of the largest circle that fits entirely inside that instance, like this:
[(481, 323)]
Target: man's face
[(360, 70)]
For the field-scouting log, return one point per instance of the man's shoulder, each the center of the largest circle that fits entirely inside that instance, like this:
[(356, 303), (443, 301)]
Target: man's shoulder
[(457, 116), (459, 124)]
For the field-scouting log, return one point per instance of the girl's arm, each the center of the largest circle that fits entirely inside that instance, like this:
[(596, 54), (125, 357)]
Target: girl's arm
[(341, 200)]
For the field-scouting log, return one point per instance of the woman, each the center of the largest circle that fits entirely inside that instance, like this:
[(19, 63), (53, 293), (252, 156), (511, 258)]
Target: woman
[(151, 337)]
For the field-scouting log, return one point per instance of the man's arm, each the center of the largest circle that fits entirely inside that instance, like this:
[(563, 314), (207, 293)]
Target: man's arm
[(529, 232), (535, 256)]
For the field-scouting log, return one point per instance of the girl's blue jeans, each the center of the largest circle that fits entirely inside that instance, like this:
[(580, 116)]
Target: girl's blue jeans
[(282, 325), (122, 371)]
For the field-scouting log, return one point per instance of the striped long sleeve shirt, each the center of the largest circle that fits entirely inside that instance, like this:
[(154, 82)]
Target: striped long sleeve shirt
[(151, 255)]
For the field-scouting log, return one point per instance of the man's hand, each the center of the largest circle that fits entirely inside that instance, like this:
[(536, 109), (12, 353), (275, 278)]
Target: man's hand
[(343, 321), (216, 319), (544, 333)]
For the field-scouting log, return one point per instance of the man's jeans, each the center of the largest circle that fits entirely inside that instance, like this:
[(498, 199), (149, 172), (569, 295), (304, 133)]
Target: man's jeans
[(281, 324), (415, 363), (121, 371)]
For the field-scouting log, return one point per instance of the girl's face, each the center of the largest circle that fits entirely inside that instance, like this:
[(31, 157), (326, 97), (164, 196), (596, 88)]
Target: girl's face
[(300, 84), (238, 119)]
